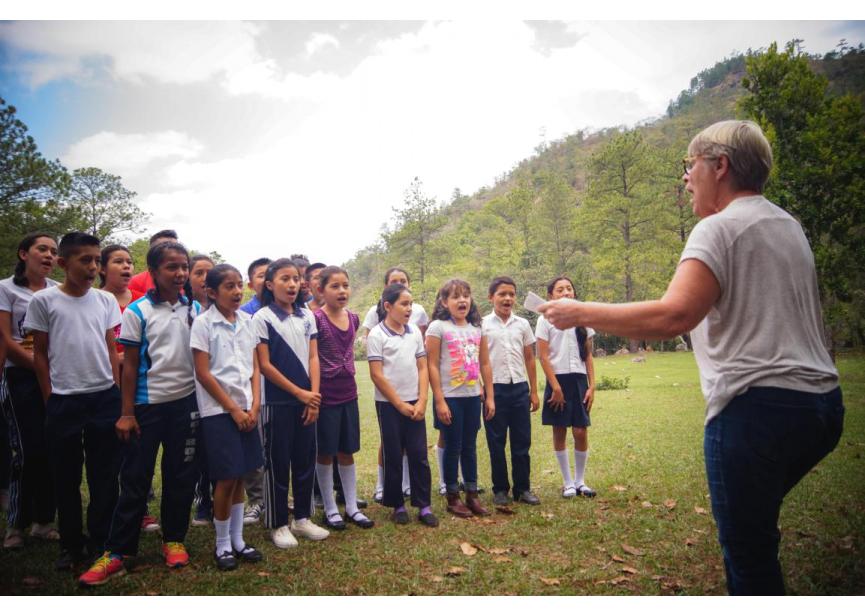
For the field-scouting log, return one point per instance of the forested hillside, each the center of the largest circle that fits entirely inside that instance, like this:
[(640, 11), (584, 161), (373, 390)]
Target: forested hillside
[(608, 208)]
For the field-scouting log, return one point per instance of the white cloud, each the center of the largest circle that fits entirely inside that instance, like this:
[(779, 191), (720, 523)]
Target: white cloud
[(319, 41)]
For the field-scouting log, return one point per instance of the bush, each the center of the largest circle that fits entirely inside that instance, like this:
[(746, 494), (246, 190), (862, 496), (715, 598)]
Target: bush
[(610, 383)]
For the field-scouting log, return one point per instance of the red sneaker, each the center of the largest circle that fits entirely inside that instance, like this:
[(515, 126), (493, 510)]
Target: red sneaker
[(175, 554), (103, 569), (149, 524)]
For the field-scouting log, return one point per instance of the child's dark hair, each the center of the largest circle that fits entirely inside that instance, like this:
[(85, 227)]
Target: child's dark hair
[(440, 310), (582, 334), (19, 277), (256, 264), (300, 260), (390, 294), (216, 275), (502, 279), (307, 274), (107, 251), (155, 256), (70, 242), (390, 271), (163, 234), (197, 258), (328, 272), (272, 269)]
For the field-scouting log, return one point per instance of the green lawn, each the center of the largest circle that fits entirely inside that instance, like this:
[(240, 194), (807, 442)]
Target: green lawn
[(649, 531)]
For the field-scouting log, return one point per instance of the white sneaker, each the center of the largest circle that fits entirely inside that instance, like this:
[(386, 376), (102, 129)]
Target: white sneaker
[(308, 529), (443, 490), (252, 515), (283, 538)]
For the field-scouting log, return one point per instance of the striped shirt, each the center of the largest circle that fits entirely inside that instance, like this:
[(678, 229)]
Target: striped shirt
[(336, 359)]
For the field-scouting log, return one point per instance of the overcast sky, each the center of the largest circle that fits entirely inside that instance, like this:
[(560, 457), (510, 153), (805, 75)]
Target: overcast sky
[(269, 138)]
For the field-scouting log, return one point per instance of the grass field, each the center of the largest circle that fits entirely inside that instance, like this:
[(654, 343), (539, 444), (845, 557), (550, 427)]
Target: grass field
[(650, 530)]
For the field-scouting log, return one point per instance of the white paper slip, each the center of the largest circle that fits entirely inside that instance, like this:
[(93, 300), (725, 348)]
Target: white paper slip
[(533, 302)]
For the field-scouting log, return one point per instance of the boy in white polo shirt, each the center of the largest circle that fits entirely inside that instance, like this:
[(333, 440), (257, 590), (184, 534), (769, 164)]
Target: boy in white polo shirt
[(76, 364)]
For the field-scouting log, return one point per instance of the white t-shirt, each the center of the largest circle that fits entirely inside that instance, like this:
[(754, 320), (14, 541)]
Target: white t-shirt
[(766, 327), (160, 334), (15, 299), (564, 347), (418, 317), (459, 357), (506, 342), (77, 350), (399, 355), (231, 348)]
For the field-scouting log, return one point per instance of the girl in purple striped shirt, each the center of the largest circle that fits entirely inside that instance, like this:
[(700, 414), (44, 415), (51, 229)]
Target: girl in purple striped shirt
[(338, 426)]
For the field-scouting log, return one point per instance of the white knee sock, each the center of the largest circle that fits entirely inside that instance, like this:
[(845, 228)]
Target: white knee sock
[(223, 535), (406, 483), (565, 466), (348, 476), (440, 458), (580, 459), (379, 483), (325, 484), (236, 527)]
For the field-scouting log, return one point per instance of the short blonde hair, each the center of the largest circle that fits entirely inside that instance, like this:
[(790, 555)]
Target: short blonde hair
[(744, 145)]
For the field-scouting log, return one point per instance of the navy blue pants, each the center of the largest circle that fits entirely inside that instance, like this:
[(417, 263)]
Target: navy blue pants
[(289, 451), (757, 449), (461, 442), (79, 428), (513, 413), (175, 426), (400, 433)]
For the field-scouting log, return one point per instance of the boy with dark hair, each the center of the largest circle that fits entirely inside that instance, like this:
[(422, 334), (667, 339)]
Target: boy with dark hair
[(255, 272), (142, 282), (76, 365)]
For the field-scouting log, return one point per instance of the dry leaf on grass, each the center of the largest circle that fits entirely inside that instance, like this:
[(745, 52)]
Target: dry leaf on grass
[(690, 542), (263, 574), (632, 550), (436, 578), (468, 548), (670, 504), (646, 504), (630, 570), (506, 510), (455, 571), (501, 559), (699, 510), (619, 488), (498, 551), (550, 581), (618, 580), (547, 515), (617, 558)]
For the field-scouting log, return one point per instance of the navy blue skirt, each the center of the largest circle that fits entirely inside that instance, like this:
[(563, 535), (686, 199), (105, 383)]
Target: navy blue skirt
[(573, 413), (230, 453)]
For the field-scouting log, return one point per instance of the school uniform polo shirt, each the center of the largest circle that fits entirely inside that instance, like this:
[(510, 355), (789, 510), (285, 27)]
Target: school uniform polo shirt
[(564, 348), (399, 354), (418, 317), (230, 347), (287, 336), (506, 341), (159, 332)]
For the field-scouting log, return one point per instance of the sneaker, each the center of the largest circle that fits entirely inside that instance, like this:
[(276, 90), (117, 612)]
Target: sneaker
[(400, 517), (569, 492), (225, 561), (149, 524), (585, 491), (443, 490), (283, 538), (501, 498), (14, 539), (527, 497), (309, 530), (201, 521), (248, 554), (105, 567), (429, 520), (175, 554), (252, 515)]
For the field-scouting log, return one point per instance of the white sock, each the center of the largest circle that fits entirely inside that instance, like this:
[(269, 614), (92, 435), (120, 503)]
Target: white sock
[(565, 467), (379, 483), (406, 483), (223, 535), (440, 458), (580, 459), (236, 528), (348, 476), (325, 484)]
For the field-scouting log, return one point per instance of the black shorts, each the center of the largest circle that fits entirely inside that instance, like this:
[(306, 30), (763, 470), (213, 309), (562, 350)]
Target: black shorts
[(338, 429), (573, 413), (230, 453)]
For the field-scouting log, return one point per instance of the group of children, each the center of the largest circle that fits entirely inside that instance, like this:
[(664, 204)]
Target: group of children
[(245, 398)]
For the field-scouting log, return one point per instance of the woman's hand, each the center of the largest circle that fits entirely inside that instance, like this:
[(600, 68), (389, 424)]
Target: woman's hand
[(557, 399), (310, 414), (589, 399), (443, 412), (241, 418), (562, 313), (419, 411), (308, 398)]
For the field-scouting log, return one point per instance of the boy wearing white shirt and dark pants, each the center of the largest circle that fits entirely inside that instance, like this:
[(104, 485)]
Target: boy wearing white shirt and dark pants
[(76, 365), (512, 356)]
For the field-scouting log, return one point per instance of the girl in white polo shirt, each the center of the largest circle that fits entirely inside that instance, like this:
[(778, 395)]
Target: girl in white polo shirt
[(566, 358), (228, 388)]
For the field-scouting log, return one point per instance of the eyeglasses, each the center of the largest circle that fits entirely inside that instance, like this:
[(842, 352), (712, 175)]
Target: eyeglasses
[(688, 162)]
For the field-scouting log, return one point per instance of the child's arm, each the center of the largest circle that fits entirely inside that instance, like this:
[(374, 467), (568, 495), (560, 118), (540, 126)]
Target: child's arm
[(532, 371), (376, 372), (256, 389), (40, 363), (310, 413), (589, 399), (201, 360), (557, 399), (433, 353), (112, 356), (14, 351), (127, 424), (487, 376), (423, 389), (270, 372)]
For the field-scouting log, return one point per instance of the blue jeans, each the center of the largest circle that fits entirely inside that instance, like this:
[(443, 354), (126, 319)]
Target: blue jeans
[(461, 442), (757, 449)]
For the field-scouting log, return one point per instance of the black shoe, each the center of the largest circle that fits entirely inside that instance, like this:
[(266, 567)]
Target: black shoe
[(334, 522), (225, 561), (248, 554), (400, 518), (377, 498), (429, 520), (527, 497), (362, 503), (67, 560), (362, 521), (586, 492), (340, 499), (501, 498)]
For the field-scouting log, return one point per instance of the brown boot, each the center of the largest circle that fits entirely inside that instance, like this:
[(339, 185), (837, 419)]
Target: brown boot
[(456, 506), (473, 503)]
